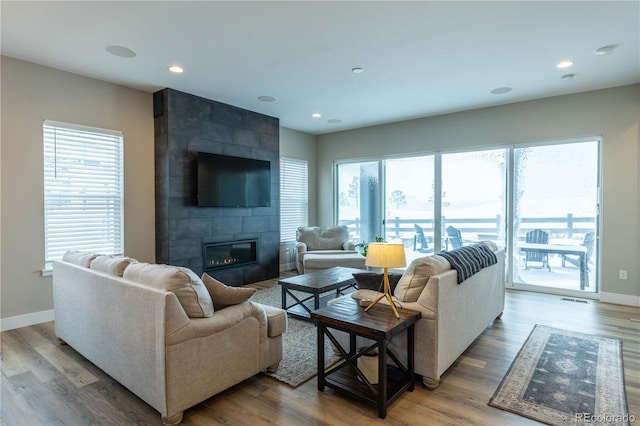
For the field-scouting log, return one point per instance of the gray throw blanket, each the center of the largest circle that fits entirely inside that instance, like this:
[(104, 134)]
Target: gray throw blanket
[(469, 260)]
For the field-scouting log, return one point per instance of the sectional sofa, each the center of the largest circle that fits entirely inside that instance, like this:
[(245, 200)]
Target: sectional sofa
[(453, 314), (158, 331)]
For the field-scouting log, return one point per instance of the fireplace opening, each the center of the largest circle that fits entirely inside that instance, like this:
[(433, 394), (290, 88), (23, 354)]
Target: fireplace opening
[(229, 254)]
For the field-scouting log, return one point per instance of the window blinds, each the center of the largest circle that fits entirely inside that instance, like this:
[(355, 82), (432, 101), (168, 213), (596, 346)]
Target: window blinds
[(83, 190), (294, 199)]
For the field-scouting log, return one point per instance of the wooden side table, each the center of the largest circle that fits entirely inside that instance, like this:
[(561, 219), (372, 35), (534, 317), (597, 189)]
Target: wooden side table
[(380, 325)]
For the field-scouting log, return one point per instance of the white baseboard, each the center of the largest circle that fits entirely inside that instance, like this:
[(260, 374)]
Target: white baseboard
[(26, 320), (620, 299), (287, 267)]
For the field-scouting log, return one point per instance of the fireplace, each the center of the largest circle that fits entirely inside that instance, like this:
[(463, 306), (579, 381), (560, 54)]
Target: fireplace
[(229, 254)]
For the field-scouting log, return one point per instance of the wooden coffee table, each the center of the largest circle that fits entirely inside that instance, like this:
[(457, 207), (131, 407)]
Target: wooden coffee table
[(315, 283), (380, 325)]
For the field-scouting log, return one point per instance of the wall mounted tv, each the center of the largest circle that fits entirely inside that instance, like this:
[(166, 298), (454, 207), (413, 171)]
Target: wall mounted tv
[(226, 181)]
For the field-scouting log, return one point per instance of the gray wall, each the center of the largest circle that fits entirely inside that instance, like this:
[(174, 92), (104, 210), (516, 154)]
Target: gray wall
[(31, 94), (300, 146), (612, 113)]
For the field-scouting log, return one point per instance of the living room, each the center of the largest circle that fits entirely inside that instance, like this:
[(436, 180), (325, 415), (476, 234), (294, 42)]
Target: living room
[(32, 93)]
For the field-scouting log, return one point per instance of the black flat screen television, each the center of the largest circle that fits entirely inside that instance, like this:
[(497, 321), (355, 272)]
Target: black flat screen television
[(226, 181)]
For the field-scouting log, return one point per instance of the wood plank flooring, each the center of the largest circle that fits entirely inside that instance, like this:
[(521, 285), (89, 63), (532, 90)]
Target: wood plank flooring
[(43, 382)]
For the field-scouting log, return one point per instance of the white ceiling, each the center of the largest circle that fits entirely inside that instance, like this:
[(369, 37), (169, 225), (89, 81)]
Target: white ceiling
[(420, 58)]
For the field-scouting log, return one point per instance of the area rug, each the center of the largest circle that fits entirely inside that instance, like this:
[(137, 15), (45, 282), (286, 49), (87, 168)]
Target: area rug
[(562, 377), (300, 342)]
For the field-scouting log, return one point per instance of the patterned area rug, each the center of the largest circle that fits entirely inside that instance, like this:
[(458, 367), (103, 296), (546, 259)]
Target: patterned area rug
[(562, 377), (300, 359)]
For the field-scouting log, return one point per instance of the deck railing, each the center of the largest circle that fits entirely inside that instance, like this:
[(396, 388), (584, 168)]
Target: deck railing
[(492, 228)]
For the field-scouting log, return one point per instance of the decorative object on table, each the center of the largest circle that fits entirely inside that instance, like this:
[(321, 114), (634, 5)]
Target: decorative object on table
[(368, 364), (563, 377), (363, 246), (386, 255)]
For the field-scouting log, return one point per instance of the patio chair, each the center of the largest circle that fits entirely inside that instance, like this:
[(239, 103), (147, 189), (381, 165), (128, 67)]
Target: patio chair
[(589, 243), (537, 236), (419, 238), (454, 237)]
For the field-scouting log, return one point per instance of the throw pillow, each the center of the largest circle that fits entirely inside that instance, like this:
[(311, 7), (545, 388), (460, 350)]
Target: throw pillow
[(417, 275), (114, 265), (80, 258), (224, 295), (187, 286), (323, 238), (373, 281)]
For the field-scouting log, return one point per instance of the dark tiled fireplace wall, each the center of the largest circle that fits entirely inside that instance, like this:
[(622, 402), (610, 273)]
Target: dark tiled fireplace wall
[(184, 125)]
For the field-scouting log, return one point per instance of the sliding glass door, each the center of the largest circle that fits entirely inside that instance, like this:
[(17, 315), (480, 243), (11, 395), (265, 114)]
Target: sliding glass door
[(473, 197), (391, 199), (555, 216), (409, 204), (539, 202), (358, 189)]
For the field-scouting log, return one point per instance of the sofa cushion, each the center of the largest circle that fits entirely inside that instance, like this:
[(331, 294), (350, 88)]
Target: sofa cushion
[(322, 260), (373, 281), (323, 238), (114, 265), (186, 285), (417, 275), (80, 258), (224, 295)]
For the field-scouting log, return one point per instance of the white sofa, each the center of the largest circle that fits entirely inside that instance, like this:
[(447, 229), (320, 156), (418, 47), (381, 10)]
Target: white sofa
[(157, 331), (453, 315)]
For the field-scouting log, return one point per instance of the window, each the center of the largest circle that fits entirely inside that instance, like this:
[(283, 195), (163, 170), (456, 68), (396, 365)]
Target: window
[(294, 198), (473, 197), (83, 191), (538, 201)]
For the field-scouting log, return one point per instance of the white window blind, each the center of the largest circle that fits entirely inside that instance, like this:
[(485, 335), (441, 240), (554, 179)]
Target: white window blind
[(294, 198), (83, 190)]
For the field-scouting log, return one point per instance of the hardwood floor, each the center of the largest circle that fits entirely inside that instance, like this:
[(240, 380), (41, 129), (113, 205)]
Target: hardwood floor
[(45, 383)]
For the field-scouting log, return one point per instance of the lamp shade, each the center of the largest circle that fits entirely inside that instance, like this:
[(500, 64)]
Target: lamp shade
[(385, 255)]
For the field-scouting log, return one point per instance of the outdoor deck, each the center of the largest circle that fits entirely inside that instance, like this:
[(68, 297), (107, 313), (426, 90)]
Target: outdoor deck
[(565, 278), (565, 231)]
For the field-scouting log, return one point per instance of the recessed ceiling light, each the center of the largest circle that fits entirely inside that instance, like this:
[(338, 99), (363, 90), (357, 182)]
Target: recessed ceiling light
[(567, 77), (316, 115), (334, 121), (121, 51), (501, 90), (266, 99), (605, 50), (176, 69), (564, 64), (357, 70)]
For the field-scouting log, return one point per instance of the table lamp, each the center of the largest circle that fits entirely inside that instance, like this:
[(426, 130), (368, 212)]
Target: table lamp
[(385, 255)]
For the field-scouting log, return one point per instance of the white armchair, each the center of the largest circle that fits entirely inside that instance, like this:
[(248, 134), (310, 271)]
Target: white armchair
[(323, 247)]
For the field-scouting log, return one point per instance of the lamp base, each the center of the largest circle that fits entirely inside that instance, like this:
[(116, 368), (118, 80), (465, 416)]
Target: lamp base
[(386, 294)]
